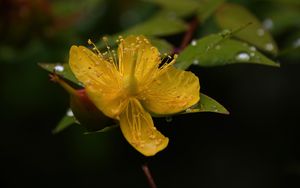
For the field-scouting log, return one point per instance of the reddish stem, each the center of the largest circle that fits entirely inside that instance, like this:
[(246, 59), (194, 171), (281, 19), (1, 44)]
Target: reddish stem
[(188, 35), (148, 175)]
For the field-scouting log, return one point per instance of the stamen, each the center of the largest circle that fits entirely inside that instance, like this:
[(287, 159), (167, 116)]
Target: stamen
[(168, 62), (111, 57), (120, 38), (94, 47)]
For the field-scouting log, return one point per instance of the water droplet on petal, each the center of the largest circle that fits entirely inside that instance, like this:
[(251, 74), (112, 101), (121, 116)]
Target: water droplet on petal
[(269, 47), (260, 32), (243, 56), (194, 43), (59, 68), (169, 119), (70, 113)]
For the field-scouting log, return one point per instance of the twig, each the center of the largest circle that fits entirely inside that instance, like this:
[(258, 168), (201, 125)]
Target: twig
[(188, 35), (148, 176)]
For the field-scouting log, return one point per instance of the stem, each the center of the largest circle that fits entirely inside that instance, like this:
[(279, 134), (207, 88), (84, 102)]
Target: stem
[(148, 175), (55, 78), (188, 35)]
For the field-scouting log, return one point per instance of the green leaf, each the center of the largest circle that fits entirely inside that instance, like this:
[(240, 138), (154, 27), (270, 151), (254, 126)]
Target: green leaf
[(179, 7), (207, 104), (291, 49), (283, 22), (65, 122), (287, 2), (162, 24), (162, 45), (207, 8), (63, 70), (217, 50), (106, 129), (233, 16)]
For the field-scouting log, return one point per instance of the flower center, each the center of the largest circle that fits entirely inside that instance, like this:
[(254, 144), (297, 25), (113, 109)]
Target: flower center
[(130, 84), (130, 81)]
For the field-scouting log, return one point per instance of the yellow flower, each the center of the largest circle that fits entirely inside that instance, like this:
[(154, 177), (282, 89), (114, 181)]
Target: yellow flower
[(132, 87)]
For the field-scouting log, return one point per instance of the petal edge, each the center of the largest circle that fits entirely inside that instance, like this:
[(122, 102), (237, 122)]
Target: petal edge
[(138, 129)]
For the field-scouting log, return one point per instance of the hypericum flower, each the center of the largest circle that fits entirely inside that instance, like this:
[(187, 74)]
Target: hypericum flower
[(132, 87)]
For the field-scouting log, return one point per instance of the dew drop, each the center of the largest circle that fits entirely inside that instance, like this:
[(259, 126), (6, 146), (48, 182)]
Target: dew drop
[(252, 48), (260, 32), (169, 119), (268, 23), (225, 33), (218, 47), (215, 108), (252, 54), (70, 113), (188, 110), (243, 56), (269, 47), (194, 43), (296, 43), (195, 62), (59, 68)]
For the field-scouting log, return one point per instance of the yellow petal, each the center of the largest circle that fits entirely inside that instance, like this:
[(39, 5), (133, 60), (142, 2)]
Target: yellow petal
[(100, 78), (171, 92), (138, 129), (137, 55)]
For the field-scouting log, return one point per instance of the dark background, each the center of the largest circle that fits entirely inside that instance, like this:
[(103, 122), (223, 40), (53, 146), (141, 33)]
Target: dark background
[(255, 146)]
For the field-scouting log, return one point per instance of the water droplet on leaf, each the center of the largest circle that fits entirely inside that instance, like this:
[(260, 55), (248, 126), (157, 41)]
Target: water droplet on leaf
[(252, 48), (260, 32), (269, 47), (268, 24), (194, 43), (59, 68), (196, 62), (296, 44), (188, 110), (242, 56), (218, 47), (225, 33), (70, 113)]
